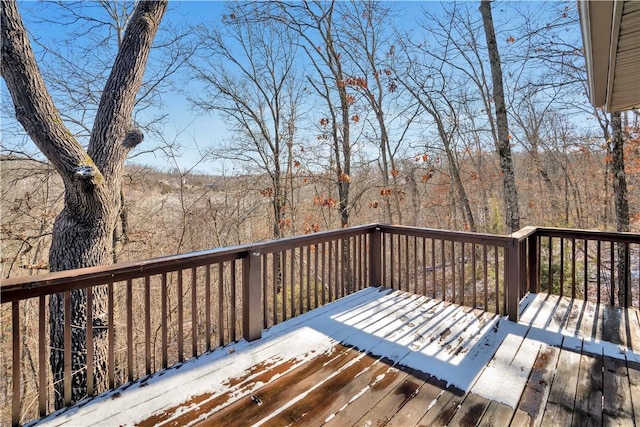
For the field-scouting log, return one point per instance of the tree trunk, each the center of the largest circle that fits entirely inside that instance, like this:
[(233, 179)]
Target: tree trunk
[(504, 147), (621, 206), (83, 231)]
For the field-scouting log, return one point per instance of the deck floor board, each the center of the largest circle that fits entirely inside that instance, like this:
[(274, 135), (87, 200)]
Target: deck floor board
[(391, 358)]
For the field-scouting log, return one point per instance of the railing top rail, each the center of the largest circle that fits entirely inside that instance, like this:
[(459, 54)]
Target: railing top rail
[(612, 236), (34, 286), (18, 288), (310, 239), (458, 236)]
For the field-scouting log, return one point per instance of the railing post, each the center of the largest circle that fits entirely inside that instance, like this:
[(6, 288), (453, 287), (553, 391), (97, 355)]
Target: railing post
[(533, 242), (375, 264), (251, 297), (514, 274)]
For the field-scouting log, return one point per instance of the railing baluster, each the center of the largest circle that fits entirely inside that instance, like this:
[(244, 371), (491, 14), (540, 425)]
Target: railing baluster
[(573, 268), (424, 266), (362, 262), (283, 259), (163, 320), (42, 351), (194, 312), (180, 318), (352, 282), (308, 278), (561, 267), (221, 325), (550, 266), (344, 266), (453, 271), (473, 275), (444, 271), (147, 325), (433, 267), (233, 303), (485, 277), (626, 270), (415, 265), (207, 303), (586, 270), (612, 284), (598, 268), (462, 268), (293, 282), (277, 285), (497, 284), (393, 260), (331, 282), (315, 273), (67, 348), (406, 265), (336, 270), (301, 279), (111, 337), (129, 309), (324, 276), (89, 341), (16, 364)]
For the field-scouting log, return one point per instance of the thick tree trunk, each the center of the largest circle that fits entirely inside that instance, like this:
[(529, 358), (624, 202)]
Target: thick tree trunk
[(512, 211), (83, 231)]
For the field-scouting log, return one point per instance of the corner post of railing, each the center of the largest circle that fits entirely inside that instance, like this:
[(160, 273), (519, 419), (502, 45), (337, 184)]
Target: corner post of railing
[(375, 257), (533, 251), (251, 296), (514, 274)]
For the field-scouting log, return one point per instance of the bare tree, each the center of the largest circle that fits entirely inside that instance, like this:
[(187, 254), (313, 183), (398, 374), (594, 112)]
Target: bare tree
[(512, 210), (315, 24), (430, 88), (247, 70), (83, 231), (371, 50)]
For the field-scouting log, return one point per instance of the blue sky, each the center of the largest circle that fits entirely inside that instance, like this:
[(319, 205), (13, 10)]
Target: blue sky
[(183, 125)]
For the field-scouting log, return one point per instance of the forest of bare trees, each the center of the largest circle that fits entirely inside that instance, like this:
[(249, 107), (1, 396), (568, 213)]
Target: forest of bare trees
[(470, 116)]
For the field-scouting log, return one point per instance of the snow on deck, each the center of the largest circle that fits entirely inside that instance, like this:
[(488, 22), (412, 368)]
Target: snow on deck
[(472, 350)]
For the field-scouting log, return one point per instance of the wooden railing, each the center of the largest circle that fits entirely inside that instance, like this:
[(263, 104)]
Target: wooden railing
[(597, 266), (158, 313), (469, 269)]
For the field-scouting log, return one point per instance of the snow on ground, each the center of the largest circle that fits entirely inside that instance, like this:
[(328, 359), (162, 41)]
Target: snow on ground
[(471, 350)]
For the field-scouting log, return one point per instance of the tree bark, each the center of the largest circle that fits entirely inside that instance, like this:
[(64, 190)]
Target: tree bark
[(512, 212), (83, 231), (621, 207)]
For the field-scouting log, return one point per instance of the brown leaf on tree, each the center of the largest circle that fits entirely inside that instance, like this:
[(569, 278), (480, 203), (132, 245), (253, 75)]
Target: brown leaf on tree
[(344, 177)]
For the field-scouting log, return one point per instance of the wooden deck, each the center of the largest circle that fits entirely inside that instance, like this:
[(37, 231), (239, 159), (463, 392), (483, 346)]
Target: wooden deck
[(382, 357)]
